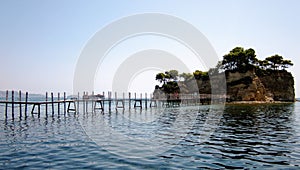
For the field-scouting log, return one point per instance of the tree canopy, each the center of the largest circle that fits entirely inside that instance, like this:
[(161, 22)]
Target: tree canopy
[(200, 75), (167, 76), (239, 59), (161, 77), (276, 62)]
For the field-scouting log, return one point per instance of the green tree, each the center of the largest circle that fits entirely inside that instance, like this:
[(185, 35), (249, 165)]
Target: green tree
[(250, 57), (161, 77), (200, 75), (239, 59), (275, 61), (197, 74)]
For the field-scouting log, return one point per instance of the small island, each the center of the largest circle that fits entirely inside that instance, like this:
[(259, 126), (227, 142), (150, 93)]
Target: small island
[(248, 79)]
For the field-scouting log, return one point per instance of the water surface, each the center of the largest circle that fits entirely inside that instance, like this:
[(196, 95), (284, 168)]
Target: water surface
[(246, 137)]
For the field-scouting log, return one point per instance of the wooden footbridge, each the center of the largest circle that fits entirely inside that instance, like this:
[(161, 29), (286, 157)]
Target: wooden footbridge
[(91, 103)]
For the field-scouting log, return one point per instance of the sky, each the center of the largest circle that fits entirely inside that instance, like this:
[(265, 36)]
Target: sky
[(41, 41)]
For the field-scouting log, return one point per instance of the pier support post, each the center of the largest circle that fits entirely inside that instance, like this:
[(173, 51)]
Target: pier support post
[(12, 105), (46, 105), (6, 98), (87, 102), (58, 104), (20, 104), (78, 96), (109, 100), (65, 103), (39, 110), (83, 102), (93, 101), (129, 96), (52, 103), (26, 100)]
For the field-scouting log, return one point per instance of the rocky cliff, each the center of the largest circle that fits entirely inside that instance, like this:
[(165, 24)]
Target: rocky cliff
[(256, 86), (262, 86), (245, 87), (279, 85)]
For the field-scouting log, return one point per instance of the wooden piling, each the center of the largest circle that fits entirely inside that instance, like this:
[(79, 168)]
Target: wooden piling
[(12, 104), (64, 102), (83, 102), (20, 99), (77, 102), (109, 101), (39, 110), (52, 103), (116, 99), (93, 100), (46, 105), (6, 98), (129, 96), (58, 104), (87, 102), (26, 100)]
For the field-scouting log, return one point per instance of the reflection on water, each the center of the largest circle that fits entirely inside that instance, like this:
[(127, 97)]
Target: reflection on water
[(247, 136)]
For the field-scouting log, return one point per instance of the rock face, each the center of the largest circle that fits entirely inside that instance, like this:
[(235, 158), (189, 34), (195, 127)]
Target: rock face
[(266, 86), (279, 86), (245, 87)]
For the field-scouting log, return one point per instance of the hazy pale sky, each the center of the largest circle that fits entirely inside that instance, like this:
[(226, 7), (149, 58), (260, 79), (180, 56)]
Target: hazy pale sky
[(40, 41)]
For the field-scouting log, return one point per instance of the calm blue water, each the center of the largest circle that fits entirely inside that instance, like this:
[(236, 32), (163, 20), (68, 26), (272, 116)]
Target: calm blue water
[(245, 137)]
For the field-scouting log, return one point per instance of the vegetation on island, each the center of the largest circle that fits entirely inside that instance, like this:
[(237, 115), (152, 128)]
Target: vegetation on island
[(237, 60)]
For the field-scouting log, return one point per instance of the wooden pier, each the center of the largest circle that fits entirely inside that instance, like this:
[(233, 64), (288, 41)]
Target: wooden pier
[(92, 102)]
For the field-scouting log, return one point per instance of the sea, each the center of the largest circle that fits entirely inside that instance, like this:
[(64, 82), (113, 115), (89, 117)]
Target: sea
[(247, 136)]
